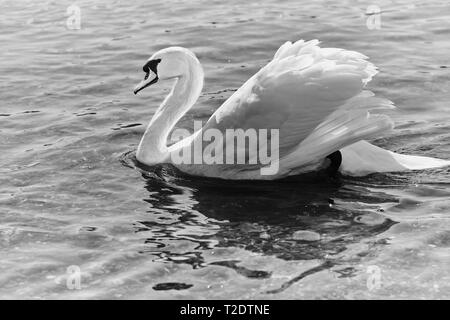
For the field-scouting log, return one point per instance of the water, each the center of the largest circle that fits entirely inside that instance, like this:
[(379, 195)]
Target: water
[(71, 193)]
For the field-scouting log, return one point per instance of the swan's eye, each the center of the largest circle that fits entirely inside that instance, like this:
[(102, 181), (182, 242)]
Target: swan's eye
[(151, 65)]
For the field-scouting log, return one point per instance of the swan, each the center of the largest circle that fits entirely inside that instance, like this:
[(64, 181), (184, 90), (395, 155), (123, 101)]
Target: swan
[(314, 98)]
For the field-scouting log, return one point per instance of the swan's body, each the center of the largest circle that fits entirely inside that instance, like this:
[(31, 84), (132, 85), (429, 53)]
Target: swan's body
[(314, 96)]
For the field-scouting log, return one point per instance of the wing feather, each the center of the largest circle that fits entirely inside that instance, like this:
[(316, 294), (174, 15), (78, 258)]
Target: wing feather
[(301, 88)]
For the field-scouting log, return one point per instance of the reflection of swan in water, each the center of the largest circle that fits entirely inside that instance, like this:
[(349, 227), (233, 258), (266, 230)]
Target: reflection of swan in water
[(191, 217), (259, 217), (314, 96)]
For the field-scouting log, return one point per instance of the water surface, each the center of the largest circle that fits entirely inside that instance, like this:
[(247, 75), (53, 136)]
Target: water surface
[(71, 193)]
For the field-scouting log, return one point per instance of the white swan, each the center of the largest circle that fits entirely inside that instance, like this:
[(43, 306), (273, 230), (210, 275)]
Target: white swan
[(314, 96)]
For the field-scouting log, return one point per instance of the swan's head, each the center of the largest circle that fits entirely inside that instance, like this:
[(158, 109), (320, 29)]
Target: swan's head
[(169, 63)]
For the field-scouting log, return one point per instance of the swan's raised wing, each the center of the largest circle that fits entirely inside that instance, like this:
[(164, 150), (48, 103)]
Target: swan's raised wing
[(302, 87)]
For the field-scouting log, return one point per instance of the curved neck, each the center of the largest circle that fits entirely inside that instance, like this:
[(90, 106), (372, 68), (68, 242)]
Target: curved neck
[(187, 88)]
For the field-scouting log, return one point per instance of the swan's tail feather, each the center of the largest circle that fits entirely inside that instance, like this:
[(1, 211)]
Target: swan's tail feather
[(363, 158), (419, 162)]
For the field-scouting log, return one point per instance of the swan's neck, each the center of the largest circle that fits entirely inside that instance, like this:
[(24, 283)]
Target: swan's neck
[(153, 146)]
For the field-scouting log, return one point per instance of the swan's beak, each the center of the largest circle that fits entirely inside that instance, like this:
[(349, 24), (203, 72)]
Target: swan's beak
[(148, 81)]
